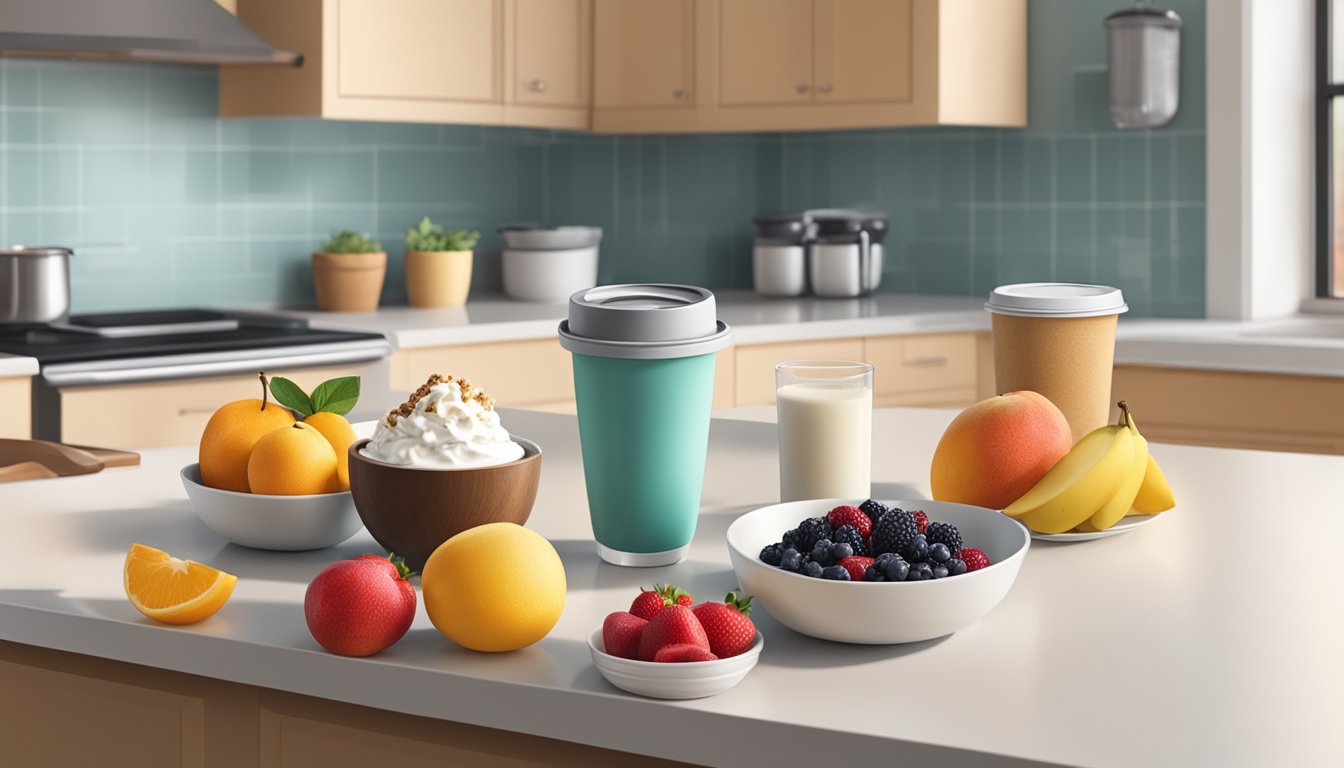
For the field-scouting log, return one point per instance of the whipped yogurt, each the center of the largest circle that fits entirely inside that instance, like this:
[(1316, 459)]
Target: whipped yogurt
[(446, 424)]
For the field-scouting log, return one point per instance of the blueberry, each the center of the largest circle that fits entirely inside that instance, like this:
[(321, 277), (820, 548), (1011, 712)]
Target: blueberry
[(917, 551), (939, 571), (790, 538), (873, 573), (939, 553), (790, 560), (919, 572), (885, 558), (840, 551), (812, 568), (897, 569), (821, 553), (956, 566), (770, 555), (835, 573)]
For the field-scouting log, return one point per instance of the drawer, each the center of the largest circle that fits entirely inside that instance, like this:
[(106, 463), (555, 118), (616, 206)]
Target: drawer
[(934, 363), (16, 407), (163, 413), (516, 373), (756, 363)]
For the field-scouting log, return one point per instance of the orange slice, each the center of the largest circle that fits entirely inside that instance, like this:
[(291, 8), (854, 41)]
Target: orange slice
[(174, 591)]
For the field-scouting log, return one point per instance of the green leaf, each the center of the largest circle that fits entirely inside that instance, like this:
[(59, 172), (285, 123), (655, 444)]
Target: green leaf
[(337, 395), (288, 394)]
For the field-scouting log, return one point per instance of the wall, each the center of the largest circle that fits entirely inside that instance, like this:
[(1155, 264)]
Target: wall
[(168, 205)]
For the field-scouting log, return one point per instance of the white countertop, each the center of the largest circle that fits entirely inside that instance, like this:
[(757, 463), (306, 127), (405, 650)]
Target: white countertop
[(13, 365), (1211, 637), (1310, 345)]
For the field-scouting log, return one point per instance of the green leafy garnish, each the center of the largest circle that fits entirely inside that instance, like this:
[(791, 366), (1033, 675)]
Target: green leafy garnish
[(290, 395), (337, 395)]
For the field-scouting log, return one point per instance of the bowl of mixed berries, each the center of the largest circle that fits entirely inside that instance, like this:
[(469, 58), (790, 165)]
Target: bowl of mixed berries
[(876, 572)]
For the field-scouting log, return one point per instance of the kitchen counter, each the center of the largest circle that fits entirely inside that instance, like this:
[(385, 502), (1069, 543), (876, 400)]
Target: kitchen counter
[(13, 365), (1309, 345), (1202, 639)]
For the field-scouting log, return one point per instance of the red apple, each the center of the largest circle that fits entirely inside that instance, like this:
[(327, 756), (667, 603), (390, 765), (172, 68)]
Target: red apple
[(360, 607)]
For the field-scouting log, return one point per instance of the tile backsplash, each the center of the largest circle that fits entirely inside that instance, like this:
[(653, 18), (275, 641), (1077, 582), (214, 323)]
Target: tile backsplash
[(168, 205)]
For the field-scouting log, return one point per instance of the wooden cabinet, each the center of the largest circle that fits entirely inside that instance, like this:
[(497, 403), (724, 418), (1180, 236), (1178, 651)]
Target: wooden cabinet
[(765, 52), (501, 62), (644, 54), (861, 50), (756, 363), (16, 407)]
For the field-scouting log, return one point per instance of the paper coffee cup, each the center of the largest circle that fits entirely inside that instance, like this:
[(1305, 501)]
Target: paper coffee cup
[(1058, 339)]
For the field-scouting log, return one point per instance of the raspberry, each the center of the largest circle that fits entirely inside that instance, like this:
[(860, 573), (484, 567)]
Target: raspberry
[(856, 565), (921, 521), (974, 558), (854, 516)]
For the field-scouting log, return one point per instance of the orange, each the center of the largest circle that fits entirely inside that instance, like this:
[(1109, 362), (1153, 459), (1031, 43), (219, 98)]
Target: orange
[(174, 591), (229, 437), (341, 435), (293, 461)]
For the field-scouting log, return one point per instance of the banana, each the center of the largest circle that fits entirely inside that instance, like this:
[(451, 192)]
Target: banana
[(1155, 494), (1118, 505), (1080, 483)]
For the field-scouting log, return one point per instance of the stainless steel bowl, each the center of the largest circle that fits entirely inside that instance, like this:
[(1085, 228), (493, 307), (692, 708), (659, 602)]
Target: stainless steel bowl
[(34, 284)]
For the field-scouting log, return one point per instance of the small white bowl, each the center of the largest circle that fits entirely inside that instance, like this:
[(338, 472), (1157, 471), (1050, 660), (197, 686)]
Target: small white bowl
[(682, 680), (288, 523), (878, 613)]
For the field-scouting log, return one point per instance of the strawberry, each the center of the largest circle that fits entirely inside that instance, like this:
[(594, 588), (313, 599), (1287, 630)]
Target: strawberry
[(856, 565), (847, 515), (975, 559), (921, 521), (648, 604), (683, 652), (673, 625), (726, 625), (621, 632), (675, 594)]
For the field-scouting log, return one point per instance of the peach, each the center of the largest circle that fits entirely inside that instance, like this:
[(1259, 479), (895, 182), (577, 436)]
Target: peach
[(996, 450)]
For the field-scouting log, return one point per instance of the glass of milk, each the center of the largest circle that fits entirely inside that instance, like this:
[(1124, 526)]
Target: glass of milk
[(825, 414)]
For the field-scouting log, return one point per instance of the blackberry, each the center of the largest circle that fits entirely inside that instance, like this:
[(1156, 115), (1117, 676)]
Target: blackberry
[(821, 553), (874, 509), (771, 554), (810, 531), (835, 573), (812, 568), (848, 534), (955, 567), (939, 570), (841, 550), (944, 533), (896, 569), (790, 538), (939, 553), (917, 551), (920, 572), (790, 560), (894, 531), (873, 573)]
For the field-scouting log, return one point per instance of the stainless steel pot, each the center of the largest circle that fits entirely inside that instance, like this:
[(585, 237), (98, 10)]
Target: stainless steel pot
[(34, 284)]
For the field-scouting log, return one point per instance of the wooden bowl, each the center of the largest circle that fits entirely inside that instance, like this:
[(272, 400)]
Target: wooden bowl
[(412, 510)]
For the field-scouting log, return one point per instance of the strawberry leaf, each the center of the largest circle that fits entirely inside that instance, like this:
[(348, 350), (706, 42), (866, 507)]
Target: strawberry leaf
[(740, 602), (288, 394), (337, 395)]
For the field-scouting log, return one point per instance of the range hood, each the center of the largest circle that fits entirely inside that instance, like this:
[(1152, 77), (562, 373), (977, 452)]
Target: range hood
[(179, 31)]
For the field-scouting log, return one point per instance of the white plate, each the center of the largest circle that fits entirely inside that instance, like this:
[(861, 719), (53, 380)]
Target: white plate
[(1125, 525)]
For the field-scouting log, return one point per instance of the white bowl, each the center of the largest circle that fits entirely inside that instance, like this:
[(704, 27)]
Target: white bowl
[(681, 680), (878, 612), (549, 276), (287, 523)]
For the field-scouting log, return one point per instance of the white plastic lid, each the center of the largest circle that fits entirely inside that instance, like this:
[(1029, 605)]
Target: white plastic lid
[(1056, 300), (643, 321)]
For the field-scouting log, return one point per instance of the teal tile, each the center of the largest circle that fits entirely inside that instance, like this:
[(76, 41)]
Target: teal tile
[(385, 134), (985, 173), (1026, 254), (326, 219), (116, 176), (183, 106), (112, 295), (1162, 168), (336, 176), (1075, 238), (1073, 169), (59, 182), (1189, 162), (1040, 161), (20, 127), (219, 258), (22, 227), (19, 83), (428, 176), (23, 177), (955, 173), (278, 221)]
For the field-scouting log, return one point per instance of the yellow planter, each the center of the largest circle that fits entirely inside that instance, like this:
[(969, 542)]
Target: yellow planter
[(438, 278), (349, 282)]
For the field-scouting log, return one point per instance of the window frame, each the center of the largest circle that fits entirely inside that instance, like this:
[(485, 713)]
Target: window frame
[(1326, 92)]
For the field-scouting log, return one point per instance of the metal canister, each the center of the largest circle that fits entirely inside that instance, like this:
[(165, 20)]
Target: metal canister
[(1145, 66), (34, 284)]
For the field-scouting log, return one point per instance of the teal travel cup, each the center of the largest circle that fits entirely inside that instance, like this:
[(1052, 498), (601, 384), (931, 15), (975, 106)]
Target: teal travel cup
[(644, 381)]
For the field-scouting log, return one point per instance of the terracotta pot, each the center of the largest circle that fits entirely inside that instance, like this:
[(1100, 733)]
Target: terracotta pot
[(438, 278), (349, 282)]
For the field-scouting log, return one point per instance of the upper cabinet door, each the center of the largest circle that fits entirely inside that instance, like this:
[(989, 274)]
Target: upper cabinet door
[(863, 51), (550, 52), (765, 52), (643, 53), (420, 49)]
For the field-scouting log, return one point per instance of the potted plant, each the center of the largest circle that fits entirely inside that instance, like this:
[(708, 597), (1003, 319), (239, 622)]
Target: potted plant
[(438, 265), (348, 273)]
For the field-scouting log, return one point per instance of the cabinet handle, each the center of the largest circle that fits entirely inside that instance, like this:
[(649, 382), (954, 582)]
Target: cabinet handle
[(189, 411), (802, 88), (825, 88), (927, 362), (537, 85), (680, 93)]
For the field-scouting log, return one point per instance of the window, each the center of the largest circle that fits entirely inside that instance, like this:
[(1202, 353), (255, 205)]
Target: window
[(1330, 148)]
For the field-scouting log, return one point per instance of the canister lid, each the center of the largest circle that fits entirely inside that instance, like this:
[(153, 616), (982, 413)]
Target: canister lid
[(834, 222), (35, 250), (787, 227), (643, 321), (1056, 300), (1144, 17)]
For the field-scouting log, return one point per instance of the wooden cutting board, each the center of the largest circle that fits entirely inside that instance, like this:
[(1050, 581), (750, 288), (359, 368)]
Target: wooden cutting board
[(35, 459)]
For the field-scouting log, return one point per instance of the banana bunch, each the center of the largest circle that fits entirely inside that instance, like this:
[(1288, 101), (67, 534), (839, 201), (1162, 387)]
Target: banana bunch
[(1106, 474)]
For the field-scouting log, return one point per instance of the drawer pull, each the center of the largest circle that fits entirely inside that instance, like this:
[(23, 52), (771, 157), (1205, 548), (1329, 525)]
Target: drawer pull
[(928, 362), (194, 411)]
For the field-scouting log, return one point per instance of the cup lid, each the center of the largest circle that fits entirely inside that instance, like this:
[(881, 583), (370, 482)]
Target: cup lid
[(1056, 300), (617, 320)]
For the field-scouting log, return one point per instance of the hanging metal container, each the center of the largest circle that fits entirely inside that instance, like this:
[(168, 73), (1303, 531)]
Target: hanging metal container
[(1145, 66)]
